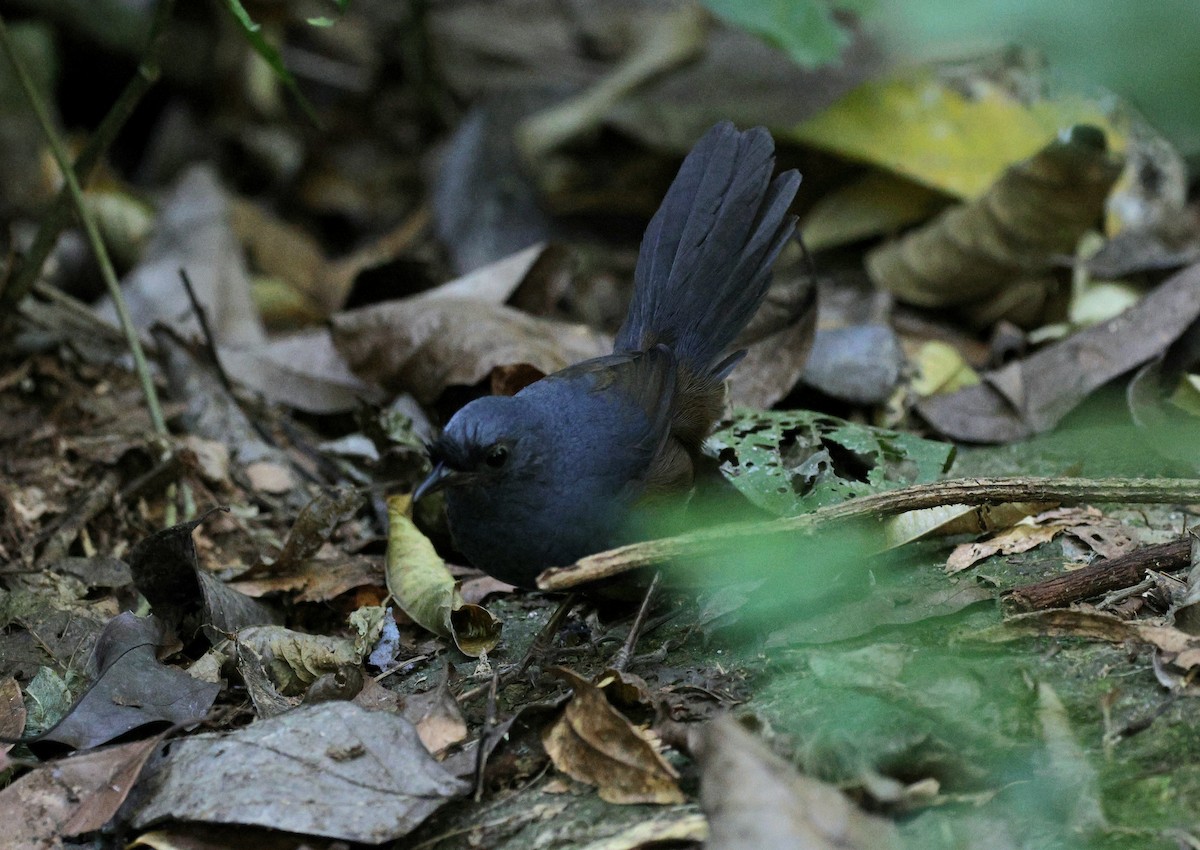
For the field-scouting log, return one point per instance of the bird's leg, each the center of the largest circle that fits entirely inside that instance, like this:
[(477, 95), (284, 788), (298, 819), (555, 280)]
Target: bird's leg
[(625, 653)]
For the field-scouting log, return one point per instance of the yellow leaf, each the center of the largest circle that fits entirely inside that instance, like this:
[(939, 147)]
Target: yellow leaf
[(424, 589), (952, 131), (941, 369)]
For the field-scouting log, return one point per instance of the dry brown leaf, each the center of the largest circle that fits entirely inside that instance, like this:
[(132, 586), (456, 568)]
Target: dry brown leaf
[(1019, 538), (12, 711), (755, 800), (1033, 394), (71, 796), (438, 719), (423, 345), (1106, 536), (594, 743), (994, 258)]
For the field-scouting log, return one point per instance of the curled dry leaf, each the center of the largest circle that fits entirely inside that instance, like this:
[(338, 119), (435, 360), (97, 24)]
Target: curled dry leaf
[(1032, 395), (754, 799), (294, 660), (166, 571), (594, 743), (995, 257), (418, 579), (423, 345)]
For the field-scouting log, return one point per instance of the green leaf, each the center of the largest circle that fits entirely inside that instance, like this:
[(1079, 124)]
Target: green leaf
[(792, 461), (253, 33), (807, 30)]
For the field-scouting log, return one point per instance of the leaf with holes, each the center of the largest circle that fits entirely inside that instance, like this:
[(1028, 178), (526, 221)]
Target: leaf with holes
[(791, 461)]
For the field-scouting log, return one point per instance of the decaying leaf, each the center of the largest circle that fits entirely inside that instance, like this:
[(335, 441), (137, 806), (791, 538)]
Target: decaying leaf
[(294, 660), (754, 799), (457, 333), (331, 769), (132, 688), (418, 579), (424, 345), (995, 257), (71, 796), (166, 571), (789, 462), (592, 742), (1106, 536), (1031, 395)]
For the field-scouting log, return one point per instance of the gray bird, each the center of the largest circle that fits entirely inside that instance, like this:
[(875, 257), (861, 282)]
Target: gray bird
[(588, 457)]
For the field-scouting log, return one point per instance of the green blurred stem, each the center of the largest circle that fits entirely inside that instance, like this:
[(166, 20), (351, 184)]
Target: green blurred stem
[(965, 491), (27, 268), (93, 235)]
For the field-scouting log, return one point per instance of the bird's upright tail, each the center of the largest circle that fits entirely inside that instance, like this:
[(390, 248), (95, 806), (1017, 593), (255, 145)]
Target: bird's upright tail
[(705, 261)]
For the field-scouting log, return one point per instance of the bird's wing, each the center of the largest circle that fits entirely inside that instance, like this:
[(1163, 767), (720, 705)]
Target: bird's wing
[(643, 381)]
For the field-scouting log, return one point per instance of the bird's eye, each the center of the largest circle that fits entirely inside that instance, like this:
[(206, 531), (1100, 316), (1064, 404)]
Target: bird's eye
[(497, 456)]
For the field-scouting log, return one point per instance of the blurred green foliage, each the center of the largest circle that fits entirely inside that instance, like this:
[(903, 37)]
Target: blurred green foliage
[(1145, 52), (809, 31)]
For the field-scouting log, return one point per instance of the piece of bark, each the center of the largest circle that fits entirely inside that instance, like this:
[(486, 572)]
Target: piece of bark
[(1099, 578)]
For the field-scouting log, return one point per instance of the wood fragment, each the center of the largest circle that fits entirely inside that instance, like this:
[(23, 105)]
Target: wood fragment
[(1099, 578), (963, 491)]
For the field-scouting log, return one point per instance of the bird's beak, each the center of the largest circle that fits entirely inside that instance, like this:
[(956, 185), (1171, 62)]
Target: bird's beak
[(439, 477)]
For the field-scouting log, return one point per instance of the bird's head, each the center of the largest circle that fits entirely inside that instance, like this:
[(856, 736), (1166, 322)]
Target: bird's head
[(484, 446)]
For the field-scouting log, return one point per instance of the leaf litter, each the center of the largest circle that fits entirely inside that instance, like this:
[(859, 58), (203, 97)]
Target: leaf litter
[(869, 662)]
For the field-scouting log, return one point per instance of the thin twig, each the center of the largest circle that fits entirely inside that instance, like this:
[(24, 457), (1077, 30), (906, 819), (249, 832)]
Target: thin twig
[(27, 267), (210, 341), (967, 491), (92, 232)]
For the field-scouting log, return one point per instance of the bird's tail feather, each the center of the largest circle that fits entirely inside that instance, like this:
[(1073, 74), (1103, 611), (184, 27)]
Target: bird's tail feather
[(705, 261)]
